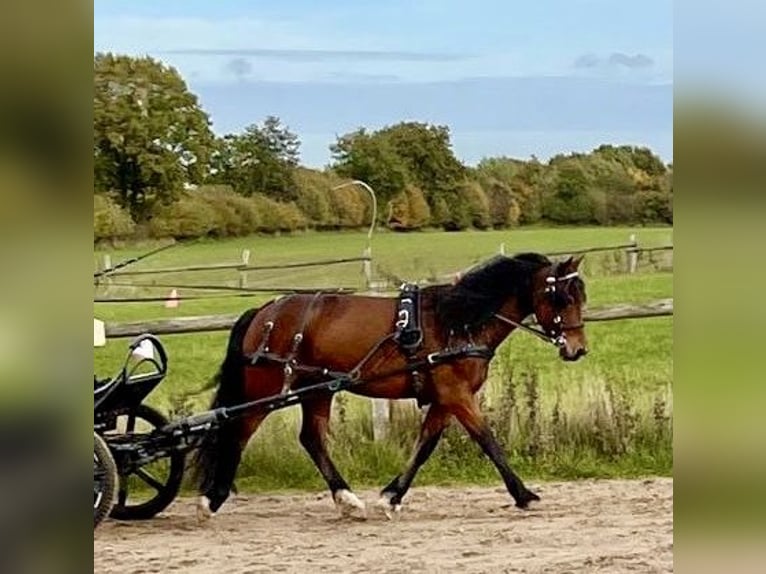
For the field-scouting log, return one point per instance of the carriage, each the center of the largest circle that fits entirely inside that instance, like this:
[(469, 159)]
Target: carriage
[(139, 455)]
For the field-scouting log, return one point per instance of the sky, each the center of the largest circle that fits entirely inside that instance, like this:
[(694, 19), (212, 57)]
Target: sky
[(509, 78)]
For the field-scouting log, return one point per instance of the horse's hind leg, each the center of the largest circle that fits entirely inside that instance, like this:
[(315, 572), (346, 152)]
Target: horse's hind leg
[(313, 437), (468, 413), (431, 431), (230, 444)]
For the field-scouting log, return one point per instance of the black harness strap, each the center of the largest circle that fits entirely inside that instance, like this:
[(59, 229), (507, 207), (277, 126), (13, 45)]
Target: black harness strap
[(409, 335)]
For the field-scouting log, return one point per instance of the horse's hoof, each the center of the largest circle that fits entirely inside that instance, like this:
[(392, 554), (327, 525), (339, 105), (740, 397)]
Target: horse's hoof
[(203, 509), (387, 507), (527, 500), (349, 504)]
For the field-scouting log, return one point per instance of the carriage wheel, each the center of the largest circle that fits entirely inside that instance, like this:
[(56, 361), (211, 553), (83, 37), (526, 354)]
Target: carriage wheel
[(150, 489), (104, 479)]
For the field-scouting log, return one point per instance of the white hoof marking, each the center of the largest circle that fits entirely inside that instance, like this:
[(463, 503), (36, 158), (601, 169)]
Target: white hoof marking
[(390, 510), (203, 509), (348, 502)]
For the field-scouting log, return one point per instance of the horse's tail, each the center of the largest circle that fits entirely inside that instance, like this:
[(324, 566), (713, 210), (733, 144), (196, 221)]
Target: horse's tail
[(219, 452)]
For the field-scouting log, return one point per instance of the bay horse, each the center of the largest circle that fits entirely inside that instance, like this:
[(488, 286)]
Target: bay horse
[(298, 340)]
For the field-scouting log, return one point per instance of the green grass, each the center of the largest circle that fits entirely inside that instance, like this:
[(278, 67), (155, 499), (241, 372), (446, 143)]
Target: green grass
[(411, 256), (609, 401)]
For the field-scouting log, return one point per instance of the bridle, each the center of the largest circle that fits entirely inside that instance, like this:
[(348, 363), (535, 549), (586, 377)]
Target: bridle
[(556, 335)]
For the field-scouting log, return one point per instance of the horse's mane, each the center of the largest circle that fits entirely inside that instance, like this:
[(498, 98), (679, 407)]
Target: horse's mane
[(480, 293)]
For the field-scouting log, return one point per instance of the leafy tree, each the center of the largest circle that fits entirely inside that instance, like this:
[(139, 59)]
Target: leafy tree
[(372, 159), (632, 156), (150, 135), (477, 204), (568, 200), (389, 159), (504, 209), (502, 169), (426, 152), (260, 160)]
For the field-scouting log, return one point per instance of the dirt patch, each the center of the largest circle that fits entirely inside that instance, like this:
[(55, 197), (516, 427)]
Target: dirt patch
[(610, 526)]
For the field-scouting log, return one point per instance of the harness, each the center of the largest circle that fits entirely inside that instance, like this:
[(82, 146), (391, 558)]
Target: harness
[(408, 335), (557, 334)]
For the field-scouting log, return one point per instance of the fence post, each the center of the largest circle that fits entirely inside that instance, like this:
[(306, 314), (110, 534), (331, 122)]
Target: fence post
[(105, 280), (367, 266), (633, 254), (243, 273), (381, 418)]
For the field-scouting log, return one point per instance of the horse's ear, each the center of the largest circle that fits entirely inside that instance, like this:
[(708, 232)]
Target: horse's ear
[(572, 263)]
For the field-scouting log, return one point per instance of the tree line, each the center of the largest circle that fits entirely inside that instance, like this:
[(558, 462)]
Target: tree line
[(159, 170)]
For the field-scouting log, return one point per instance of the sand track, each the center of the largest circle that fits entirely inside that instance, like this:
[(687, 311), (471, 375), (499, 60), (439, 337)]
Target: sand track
[(604, 526)]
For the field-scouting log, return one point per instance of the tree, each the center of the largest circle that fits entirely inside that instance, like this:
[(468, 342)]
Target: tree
[(151, 137), (568, 200), (503, 206), (502, 169), (372, 159), (260, 160), (426, 153), (407, 153)]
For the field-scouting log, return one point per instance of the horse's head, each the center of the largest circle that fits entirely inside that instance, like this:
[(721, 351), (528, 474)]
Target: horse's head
[(559, 295)]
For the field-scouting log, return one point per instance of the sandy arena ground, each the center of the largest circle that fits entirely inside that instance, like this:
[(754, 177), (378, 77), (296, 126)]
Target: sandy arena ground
[(613, 526)]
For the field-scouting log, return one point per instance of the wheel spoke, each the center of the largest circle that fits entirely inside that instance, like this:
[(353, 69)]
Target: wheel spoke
[(150, 480)]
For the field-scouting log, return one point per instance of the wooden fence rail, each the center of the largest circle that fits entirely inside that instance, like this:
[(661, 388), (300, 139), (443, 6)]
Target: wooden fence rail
[(204, 323), (243, 266)]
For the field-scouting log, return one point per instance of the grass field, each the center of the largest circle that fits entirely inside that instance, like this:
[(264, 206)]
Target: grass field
[(609, 414)]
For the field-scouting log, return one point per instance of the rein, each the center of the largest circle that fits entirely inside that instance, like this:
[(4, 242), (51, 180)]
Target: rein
[(558, 341)]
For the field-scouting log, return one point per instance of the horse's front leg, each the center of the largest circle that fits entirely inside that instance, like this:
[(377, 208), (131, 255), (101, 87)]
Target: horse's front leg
[(313, 437), (468, 413), (431, 431)]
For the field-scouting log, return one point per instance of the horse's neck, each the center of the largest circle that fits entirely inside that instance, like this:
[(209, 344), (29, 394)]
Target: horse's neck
[(497, 331)]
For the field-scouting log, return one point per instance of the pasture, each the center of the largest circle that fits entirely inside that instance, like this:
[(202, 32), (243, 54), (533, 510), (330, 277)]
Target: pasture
[(607, 415)]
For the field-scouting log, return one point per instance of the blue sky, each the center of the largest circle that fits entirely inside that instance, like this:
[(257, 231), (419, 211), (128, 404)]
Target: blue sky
[(508, 78)]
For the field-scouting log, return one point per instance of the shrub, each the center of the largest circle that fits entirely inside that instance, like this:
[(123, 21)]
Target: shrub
[(654, 206), (189, 217), (409, 209), (348, 206), (477, 204), (234, 215), (277, 216), (313, 196), (110, 221), (455, 211)]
